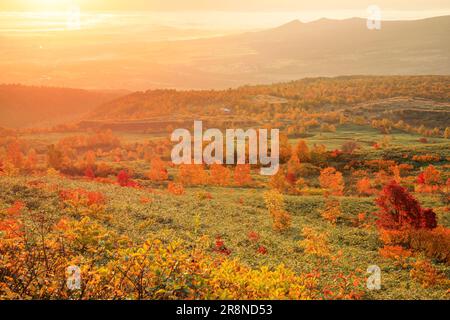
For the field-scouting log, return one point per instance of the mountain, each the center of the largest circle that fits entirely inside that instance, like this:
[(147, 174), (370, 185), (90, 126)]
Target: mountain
[(326, 48), (25, 106), (292, 51)]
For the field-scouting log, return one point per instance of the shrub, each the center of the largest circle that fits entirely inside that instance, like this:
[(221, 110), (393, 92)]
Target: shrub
[(426, 274), (34, 266), (175, 188), (275, 204), (433, 243), (364, 187), (332, 211), (242, 175), (220, 175), (124, 179), (315, 243), (396, 253)]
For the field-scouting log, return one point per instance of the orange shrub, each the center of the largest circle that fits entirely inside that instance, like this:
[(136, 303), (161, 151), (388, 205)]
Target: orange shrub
[(396, 253), (175, 188), (433, 243), (427, 275), (81, 197), (332, 211), (364, 187), (242, 175), (427, 158), (220, 175), (192, 174)]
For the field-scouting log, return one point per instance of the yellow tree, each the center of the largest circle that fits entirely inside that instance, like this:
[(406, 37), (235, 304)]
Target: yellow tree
[(274, 201)]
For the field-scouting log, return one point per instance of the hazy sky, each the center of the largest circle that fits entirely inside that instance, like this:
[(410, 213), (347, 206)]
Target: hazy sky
[(226, 5)]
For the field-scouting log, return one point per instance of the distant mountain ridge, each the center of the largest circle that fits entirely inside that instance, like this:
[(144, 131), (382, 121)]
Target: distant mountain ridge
[(292, 51), (297, 50)]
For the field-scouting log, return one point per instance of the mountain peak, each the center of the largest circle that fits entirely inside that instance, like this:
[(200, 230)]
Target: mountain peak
[(290, 25)]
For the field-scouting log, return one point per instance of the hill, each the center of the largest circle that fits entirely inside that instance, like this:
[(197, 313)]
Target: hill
[(25, 106), (415, 99)]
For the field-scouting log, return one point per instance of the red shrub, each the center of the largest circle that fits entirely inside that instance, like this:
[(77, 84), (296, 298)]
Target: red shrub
[(262, 250), (220, 247), (253, 236), (89, 173), (124, 179)]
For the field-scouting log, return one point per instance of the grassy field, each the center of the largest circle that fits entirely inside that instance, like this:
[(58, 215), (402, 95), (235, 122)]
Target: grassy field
[(231, 213)]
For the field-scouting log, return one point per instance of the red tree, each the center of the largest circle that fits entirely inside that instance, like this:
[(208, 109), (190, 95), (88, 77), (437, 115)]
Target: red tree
[(399, 209)]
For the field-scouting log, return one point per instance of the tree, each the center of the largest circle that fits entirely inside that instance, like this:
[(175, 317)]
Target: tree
[(399, 209), (332, 180), (274, 201), (31, 160), (14, 154), (294, 166), (54, 157), (89, 173), (90, 158), (302, 151), (319, 154), (279, 181), (332, 211), (350, 147), (447, 133), (158, 171), (285, 148), (429, 179)]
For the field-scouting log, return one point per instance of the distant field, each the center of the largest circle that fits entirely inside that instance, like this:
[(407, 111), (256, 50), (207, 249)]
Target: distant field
[(364, 135)]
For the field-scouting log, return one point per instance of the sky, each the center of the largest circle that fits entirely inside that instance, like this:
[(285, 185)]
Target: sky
[(228, 5), (56, 42), (212, 17)]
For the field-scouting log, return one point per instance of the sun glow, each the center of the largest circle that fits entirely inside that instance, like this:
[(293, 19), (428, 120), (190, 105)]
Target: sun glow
[(51, 5)]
